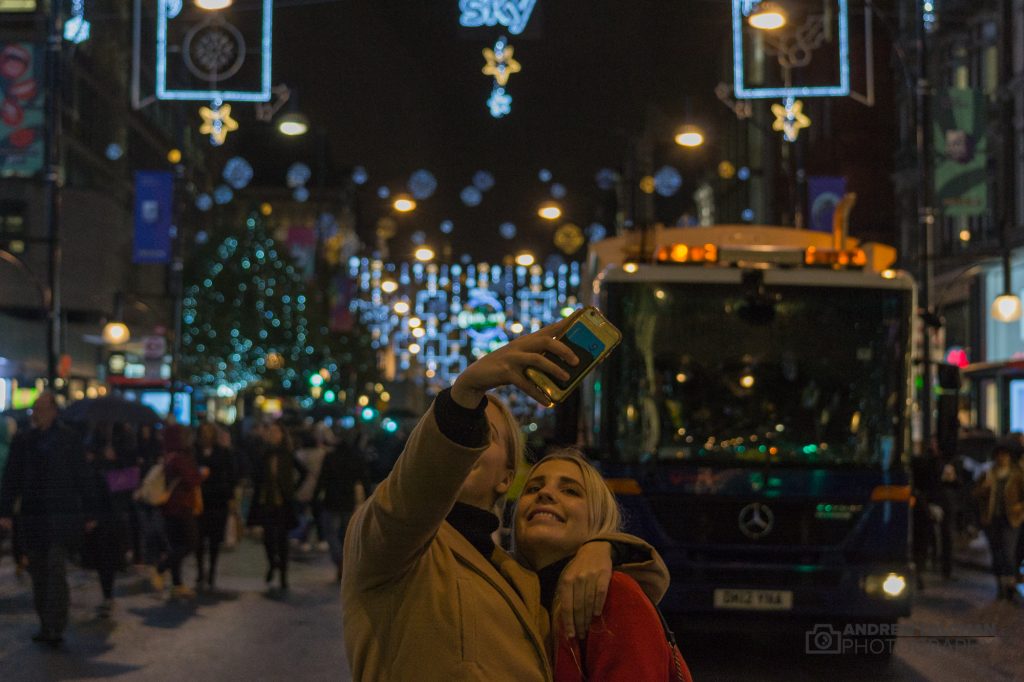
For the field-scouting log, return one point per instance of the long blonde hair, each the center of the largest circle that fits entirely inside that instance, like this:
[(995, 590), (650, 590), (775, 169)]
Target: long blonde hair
[(603, 514), (515, 445)]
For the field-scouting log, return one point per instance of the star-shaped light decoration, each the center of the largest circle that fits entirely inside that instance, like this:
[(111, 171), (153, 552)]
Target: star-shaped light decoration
[(500, 102), (217, 124), (500, 62), (790, 118)]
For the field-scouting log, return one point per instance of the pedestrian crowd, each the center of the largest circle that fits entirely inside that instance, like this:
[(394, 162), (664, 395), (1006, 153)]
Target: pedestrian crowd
[(113, 496), (960, 500)]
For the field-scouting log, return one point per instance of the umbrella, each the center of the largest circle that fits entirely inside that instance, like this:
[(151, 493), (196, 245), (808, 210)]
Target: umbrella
[(110, 409)]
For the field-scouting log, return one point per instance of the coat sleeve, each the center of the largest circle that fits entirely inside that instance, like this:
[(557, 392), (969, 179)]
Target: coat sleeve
[(396, 524), (645, 566), (625, 645)]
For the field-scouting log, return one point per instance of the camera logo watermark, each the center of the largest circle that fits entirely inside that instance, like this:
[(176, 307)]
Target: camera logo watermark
[(875, 639)]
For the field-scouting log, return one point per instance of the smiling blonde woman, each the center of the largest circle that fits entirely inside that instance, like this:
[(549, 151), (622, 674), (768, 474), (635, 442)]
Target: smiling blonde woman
[(565, 504)]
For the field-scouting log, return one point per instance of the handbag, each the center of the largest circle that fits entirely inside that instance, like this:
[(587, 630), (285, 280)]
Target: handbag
[(154, 490), (122, 480)]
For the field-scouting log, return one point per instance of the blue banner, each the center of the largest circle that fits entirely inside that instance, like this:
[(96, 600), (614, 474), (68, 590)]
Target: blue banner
[(154, 203), (823, 193)]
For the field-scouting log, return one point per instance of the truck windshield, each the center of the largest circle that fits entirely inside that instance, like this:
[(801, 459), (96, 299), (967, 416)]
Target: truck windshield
[(792, 375)]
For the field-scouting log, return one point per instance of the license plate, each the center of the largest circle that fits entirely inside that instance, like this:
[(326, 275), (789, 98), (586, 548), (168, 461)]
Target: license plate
[(754, 600)]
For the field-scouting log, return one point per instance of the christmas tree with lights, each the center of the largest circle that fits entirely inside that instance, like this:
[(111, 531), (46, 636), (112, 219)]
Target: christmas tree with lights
[(249, 318)]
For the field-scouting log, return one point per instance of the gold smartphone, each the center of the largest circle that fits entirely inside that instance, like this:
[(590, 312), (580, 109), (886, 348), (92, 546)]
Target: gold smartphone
[(591, 337)]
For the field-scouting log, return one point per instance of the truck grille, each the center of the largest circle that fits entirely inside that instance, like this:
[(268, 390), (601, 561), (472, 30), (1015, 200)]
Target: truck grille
[(709, 521)]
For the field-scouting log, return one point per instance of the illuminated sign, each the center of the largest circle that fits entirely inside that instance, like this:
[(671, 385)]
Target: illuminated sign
[(200, 47), (794, 49), (76, 28), (512, 14), (17, 5)]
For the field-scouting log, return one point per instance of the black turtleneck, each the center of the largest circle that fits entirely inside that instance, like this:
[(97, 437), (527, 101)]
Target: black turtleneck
[(476, 525), (548, 577)]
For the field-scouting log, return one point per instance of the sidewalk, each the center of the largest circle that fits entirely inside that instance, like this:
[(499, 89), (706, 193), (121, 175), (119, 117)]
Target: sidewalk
[(240, 631)]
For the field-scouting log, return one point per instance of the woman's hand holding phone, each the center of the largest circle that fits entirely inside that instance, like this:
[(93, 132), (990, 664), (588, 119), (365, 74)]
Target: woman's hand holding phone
[(508, 364)]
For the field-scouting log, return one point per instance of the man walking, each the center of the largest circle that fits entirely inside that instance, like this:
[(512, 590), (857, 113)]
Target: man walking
[(45, 473)]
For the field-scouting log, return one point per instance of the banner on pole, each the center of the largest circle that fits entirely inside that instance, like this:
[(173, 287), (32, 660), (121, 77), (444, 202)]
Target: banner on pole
[(23, 103), (823, 193), (961, 152), (154, 204)]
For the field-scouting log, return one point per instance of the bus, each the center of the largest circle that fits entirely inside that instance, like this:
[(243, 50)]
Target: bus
[(754, 422)]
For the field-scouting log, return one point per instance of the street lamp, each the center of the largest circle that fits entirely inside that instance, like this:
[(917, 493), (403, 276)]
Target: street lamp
[(1006, 307), (424, 254), (115, 332), (549, 210), (403, 204), (525, 259), (767, 16), (293, 124), (690, 136), (213, 5)]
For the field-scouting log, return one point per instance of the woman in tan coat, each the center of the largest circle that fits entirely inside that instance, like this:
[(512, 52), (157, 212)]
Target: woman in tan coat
[(426, 595), (1001, 498)]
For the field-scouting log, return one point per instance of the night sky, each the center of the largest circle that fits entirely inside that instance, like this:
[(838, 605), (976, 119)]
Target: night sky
[(395, 86)]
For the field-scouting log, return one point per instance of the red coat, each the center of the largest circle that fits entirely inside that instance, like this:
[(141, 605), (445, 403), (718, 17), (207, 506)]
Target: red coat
[(626, 644), (181, 467)]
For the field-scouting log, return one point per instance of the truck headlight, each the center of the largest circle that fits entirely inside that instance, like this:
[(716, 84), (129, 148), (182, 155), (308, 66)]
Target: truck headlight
[(887, 586)]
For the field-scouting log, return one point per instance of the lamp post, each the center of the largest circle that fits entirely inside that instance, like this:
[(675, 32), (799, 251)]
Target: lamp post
[(54, 182)]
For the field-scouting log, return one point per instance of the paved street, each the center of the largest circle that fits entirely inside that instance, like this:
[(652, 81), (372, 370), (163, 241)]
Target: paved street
[(244, 632), (241, 632)]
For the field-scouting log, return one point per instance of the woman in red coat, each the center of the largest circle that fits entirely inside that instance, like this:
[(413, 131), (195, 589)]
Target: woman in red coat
[(180, 510), (565, 503)]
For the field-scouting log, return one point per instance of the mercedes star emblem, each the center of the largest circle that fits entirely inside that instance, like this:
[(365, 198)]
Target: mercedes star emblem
[(756, 520)]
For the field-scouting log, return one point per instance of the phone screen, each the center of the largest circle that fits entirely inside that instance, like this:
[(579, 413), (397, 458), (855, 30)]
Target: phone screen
[(585, 345)]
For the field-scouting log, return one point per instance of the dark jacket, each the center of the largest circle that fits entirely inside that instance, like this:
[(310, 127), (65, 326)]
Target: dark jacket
[(340, 472), (219, 486), (46, 471)]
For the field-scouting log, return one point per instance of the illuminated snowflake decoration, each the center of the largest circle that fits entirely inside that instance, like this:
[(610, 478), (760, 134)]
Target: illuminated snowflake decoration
[(418, 238), (237, 172), (748, 214), (223, 194), (512, 14), (667, 181), (422, 184), (383, 192), (606, 179), (596, 232), (483, 180), (447, 226), (202, 236), (558, 190), (544, 175), (204, 202), (507, 230), (359, 175), (301, 194), (500, 102), (743, 173), (298, 175), (471, 196)]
